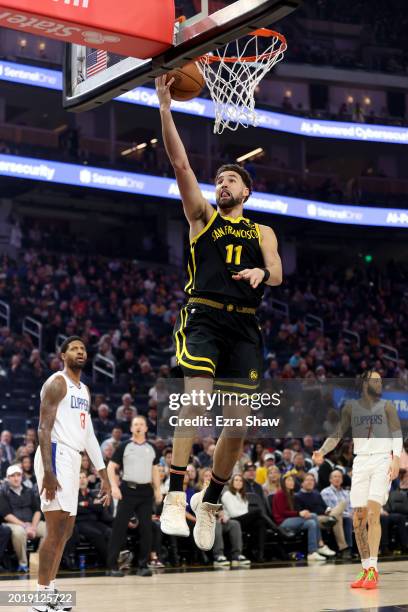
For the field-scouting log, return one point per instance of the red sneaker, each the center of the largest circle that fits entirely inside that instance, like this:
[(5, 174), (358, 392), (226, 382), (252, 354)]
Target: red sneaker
[(359, 581), (371, 581)]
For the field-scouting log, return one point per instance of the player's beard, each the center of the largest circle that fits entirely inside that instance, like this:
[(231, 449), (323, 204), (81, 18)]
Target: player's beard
[(76, 366), (229, 203), (374, 392)]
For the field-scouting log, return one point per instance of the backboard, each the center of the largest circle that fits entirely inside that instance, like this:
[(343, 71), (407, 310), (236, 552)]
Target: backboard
[(92, 77)]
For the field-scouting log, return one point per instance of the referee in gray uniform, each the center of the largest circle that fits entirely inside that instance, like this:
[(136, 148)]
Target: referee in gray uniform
[(137, 459)]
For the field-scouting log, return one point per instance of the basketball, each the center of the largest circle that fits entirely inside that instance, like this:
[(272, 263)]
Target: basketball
[(188, 82)]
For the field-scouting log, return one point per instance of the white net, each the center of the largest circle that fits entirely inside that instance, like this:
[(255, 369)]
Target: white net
[(233, 74)]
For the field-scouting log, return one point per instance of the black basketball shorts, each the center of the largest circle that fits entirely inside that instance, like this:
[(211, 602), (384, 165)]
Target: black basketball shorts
[(220, 344)]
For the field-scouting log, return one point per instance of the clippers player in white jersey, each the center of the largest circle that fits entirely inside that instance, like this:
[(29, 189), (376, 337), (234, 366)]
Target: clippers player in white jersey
[(65, 431), (377, 438)]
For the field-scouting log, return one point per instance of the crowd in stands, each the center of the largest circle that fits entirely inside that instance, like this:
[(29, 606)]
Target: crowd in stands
[(274, 495), (381, 43), (126, 313)]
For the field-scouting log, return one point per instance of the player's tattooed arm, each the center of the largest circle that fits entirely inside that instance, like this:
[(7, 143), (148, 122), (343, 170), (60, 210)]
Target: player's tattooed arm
[(54, 393), (360, 532), (332, 441)]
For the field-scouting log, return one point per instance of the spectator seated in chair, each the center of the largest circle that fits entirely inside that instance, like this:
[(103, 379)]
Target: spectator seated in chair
[(310, 499), (20, 508), (93, 520), (287, 515), (395, 513), (236, 506), (333, 496)]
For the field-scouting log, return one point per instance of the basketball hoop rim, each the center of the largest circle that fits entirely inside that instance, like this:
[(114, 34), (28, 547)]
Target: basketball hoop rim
[(262, 33)]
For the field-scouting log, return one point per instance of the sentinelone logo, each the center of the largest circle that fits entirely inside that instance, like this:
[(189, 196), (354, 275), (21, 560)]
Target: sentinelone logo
[(88, 177), (320, 212), (353, 132), (30, 75)]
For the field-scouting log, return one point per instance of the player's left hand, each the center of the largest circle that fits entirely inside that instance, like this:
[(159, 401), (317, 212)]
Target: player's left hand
[(253, 276), (393, 472), (105, 494)]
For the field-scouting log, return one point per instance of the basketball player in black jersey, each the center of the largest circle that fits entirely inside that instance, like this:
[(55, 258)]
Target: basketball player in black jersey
[(217, 333)]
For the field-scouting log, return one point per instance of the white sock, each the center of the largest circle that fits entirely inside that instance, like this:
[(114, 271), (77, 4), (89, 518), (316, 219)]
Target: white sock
[(373, 562), (52, 584), (44, 587), (365, 563)]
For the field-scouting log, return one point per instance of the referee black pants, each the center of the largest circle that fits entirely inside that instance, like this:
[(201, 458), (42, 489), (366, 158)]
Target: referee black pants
[(137, 501)]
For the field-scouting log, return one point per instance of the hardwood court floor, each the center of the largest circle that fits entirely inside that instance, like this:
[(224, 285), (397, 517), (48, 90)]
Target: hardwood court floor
[(315, 588)]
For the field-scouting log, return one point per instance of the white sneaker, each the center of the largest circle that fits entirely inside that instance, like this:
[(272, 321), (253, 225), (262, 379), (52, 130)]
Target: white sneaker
[(173, 518), (221, 561), (326, 551), (240, 561), (315, 557), (204, 529)]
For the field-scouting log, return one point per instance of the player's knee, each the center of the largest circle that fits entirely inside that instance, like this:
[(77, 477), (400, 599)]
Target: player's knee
[(69, 531), (373, 518), (56, 534), (359, 518)]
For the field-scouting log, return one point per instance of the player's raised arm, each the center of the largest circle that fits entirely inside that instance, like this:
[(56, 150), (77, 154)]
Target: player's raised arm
[(54, 393), (394, 425), (331, 442), (196, 207)]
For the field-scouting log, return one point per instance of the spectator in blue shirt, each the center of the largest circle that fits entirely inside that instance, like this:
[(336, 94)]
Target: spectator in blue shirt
[(309, 498), (334, 495)]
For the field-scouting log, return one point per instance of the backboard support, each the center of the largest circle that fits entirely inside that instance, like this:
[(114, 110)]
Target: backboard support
[(208, 25)]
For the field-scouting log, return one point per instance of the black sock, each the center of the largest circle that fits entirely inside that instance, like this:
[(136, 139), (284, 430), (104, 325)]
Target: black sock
[(177, 474), (214, 489)]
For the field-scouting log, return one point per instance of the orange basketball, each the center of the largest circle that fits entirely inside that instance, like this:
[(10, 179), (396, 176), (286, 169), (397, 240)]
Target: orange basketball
[(188, 82)]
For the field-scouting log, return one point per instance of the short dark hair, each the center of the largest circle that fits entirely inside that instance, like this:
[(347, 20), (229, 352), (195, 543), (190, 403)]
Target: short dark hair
[(67, 342), (244, 174)]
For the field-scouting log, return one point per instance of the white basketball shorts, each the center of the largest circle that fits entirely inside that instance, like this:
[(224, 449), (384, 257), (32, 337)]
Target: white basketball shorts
[(66, 465), (370, 479)]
